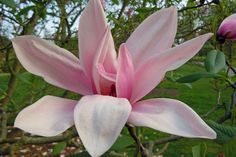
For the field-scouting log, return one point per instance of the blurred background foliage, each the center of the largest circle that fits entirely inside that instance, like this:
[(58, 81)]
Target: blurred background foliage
[(212, 95)]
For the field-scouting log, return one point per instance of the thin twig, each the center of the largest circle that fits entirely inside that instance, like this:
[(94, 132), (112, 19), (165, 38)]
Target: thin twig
[(194, 7), (165, 140), (139, 145)]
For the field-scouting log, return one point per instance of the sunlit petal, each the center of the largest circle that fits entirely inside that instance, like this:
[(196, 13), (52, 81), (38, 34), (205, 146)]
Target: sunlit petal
[(49, 116), (152, 72), (171, 116)]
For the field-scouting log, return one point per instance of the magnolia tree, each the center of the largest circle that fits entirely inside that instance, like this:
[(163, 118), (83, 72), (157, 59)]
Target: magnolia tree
[(110, 108)]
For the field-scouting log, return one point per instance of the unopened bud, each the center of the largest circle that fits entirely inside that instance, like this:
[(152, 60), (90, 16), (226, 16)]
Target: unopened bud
[(227, 29)]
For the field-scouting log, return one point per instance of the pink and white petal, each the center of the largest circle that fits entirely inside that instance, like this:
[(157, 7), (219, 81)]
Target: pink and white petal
[(100, 60), (49, 116), (92, 29), (154, 35), (56, 65), (108, 76), (99, 121), (125, 74), (170, 116), (152, 72)]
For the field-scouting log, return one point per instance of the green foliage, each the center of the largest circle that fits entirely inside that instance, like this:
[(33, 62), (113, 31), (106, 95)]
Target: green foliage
[(145, 10), (58, 148), (25, 10), (199, 150), (9, 3), (196, 76), (224, 132), (115, 2), (122, 142), (215, 61), (230, 147)]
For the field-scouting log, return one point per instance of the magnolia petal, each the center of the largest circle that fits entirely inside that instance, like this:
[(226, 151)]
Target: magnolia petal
[(108, 76), (154, 35), (99, 121), (171, 116), (56, 65), (92, 29), (49, 116), (101, 83), (152, 72), (125, 74)]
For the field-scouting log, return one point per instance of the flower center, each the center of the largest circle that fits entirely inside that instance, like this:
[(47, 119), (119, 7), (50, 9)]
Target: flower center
[(113, 90)]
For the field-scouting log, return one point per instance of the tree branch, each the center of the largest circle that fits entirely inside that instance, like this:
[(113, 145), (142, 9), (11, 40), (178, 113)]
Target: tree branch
[(139, 145)]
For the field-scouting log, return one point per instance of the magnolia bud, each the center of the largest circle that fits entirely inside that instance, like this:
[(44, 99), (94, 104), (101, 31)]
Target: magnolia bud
[(227, 29)]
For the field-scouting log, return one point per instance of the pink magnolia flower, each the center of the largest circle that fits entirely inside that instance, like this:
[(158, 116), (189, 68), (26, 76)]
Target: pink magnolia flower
[(227, 29), (112, 88)]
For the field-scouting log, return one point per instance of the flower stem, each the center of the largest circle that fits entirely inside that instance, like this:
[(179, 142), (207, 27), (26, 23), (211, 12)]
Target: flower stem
[(139, 145)]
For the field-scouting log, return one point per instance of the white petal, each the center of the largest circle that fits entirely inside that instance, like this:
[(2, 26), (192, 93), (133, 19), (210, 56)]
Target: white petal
[(49, 116), (99, 121), (171, 116)]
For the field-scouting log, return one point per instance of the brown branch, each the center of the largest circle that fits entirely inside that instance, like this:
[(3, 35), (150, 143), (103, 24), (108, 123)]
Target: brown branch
[(229, 66), (41, 140), (194, 7), (139, 145), (165, 140), (125, 3), (11, 87)]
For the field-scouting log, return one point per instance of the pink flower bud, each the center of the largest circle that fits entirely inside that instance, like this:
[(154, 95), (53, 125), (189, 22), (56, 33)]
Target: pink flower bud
[(227, 29)]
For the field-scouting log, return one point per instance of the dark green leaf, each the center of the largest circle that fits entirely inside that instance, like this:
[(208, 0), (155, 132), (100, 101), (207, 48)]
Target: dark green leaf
[(199, 150), (145, 10), (122, 142), (23, 78), (215, 61), (58, 148), (196, 76), (230, 147), (9, 3), (224, 132), (115, 2)]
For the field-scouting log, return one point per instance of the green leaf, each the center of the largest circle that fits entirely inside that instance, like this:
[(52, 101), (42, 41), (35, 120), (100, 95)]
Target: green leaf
[(23, 78), (145, 10), (199, 150), (230, 147), (196, 76), (233, 111), (115, 2), (224, 132), (122, 142), (9, 3), (58, 148), (215, 61)]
